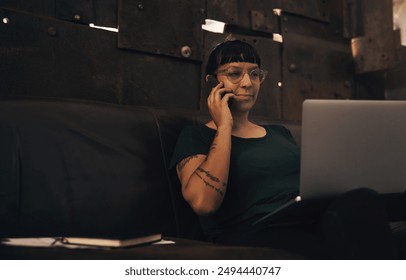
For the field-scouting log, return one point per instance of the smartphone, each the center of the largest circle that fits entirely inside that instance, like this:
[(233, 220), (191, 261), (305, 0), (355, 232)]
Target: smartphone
[(211, 83)]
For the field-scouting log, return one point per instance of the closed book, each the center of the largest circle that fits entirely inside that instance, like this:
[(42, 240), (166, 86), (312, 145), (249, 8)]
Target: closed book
[(117, 243)]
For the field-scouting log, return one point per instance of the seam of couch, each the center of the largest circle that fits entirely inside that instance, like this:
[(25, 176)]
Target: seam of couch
[(176, 217), (18, 175)]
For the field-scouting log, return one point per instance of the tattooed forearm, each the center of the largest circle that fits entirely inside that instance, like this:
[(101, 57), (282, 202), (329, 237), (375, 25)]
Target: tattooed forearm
[(220, 192), (211, 176), (214, 145), (182, 163)]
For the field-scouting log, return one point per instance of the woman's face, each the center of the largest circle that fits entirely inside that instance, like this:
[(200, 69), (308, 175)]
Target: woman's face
[(243, 81)]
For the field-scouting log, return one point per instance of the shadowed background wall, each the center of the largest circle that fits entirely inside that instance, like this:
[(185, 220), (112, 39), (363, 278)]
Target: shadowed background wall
[(154, 52)]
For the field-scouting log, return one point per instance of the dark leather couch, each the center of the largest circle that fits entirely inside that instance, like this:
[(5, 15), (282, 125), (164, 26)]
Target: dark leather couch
[(81, 168)]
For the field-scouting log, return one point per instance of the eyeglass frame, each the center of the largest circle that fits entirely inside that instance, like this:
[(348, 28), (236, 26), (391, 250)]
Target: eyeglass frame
[(225, 72)]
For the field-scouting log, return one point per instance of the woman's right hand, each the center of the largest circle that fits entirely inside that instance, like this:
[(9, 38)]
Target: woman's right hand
[(204, 176), (218, 106)]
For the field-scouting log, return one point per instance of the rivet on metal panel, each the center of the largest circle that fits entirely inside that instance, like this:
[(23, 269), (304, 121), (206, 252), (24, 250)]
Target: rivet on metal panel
[(186, 51), (259, 21), (292, 67), (52, 31), (76, 17), (6, 20)]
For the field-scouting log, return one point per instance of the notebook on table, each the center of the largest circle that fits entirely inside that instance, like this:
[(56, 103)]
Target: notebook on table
[(347, 144)]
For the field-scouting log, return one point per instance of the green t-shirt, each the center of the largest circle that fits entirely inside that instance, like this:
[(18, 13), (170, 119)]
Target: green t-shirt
[(264, 173)]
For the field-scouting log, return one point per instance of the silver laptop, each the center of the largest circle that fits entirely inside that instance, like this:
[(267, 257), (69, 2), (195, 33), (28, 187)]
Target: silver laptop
[(348, 144)]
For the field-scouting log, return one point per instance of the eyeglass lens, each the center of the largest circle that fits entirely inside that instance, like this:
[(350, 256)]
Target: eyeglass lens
[(236, 75)]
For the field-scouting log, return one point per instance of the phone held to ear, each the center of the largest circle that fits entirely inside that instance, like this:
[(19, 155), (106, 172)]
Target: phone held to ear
[(212, 82)]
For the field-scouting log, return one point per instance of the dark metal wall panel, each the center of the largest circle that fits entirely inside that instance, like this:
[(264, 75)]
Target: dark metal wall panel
[(105, 12), (80, 11), (352, 13), (332, 30), (45, 57), (254, 15), (170, 27), (312, 9), (314, 69), (395, 79), (225, 11), (317, 62), (157, 57), (375, 50), (99, 12), (40, 7), (239, 12)]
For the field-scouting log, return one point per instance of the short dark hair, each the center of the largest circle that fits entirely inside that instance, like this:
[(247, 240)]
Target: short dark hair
[(231, 51)]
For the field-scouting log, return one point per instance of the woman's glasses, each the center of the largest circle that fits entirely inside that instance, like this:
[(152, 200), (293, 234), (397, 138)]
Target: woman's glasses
[(235, 75)]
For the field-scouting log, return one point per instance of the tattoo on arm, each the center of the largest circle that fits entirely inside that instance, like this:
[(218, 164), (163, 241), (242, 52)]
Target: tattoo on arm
[(183, 162), (211, 176), (214, 145), (219, 191)]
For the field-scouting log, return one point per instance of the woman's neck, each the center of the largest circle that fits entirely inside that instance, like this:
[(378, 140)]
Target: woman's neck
[(240, 120), (243, 128)]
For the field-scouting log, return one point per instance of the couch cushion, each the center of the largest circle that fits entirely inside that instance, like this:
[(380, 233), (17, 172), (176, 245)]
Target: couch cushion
[(81, 168)]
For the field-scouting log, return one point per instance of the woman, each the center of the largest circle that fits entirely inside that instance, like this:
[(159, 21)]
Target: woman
[(232, 171)]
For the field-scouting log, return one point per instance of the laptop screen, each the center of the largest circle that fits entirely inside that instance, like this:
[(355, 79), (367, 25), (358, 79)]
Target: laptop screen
[(348, 144)]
